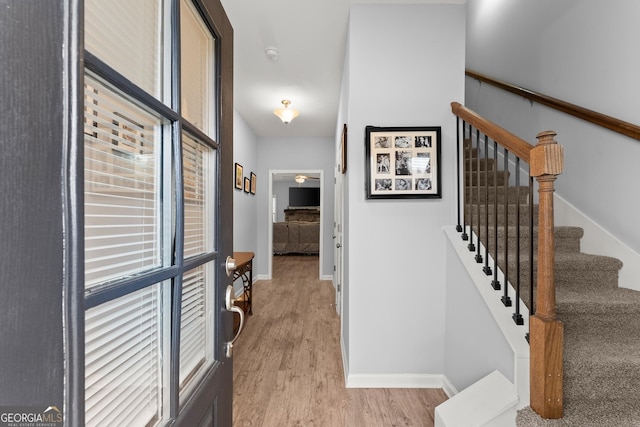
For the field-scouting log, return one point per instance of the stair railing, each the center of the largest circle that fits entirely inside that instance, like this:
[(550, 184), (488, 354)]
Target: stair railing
[(479, 137)]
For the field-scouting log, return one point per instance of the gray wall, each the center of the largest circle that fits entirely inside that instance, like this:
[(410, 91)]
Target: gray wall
[(406, 64), (581, 51), (245, 219), (295, 154)]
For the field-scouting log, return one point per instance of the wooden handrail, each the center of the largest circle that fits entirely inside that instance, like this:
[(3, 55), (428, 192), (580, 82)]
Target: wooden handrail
[(511, 142), (611, 123)]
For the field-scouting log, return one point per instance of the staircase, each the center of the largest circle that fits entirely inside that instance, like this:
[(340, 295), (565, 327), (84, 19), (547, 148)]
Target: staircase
[(601, 321)]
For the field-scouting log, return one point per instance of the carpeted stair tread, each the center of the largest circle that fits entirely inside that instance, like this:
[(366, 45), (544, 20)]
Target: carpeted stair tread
[(490, 194), (601, 344), (566, 238), (581, 261), (605, 300), (601, 413), (559, 231), (586, 413)]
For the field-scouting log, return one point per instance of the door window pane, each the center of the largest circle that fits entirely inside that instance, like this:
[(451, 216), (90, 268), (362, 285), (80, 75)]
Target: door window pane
[(122, 203), (127, 36), (197, 82), (123, 381), (198, 216), (196, 328)]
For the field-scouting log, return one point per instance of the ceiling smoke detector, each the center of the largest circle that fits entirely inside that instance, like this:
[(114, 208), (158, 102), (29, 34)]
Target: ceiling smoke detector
[(272, 53)]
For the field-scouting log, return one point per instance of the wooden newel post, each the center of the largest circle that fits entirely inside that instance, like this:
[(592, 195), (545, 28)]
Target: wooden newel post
[(546, 333)]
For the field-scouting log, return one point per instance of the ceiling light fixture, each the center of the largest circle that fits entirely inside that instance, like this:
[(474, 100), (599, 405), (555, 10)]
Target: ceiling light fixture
[(286, 114), (299, 179)]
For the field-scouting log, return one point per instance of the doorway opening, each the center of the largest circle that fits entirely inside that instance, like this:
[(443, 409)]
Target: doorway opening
[(280, 210)]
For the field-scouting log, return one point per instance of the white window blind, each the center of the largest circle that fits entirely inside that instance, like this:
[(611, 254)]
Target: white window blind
[(194, 331), (196, 69), (122, 208), (127, 35), (198, 217), (123, 380)]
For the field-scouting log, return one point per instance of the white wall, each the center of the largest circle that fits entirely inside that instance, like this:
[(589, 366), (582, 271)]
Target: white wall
[(580, 51), (406, 64), (294, 154), (245, 205)]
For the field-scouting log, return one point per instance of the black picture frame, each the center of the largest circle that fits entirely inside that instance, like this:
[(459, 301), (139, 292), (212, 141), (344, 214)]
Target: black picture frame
[(343, 149), (238, 177), (254, 183), (403, 162)]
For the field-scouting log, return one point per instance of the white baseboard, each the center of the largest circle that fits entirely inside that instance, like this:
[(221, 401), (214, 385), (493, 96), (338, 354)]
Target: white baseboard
[(448, 388), (327, 277), (395, 381), (261, 277), (599, 241), (345, 362)]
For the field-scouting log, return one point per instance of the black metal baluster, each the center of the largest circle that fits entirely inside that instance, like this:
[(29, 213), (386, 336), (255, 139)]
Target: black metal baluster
[(517, 317), (486, 269), (506, 299), (478, 257), (495, 283), (471, 246), (532, 306), (459, 226), (466, 153)]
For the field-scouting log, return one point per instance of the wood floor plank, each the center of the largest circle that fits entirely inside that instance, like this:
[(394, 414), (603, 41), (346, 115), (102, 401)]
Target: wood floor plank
[(288, 365)]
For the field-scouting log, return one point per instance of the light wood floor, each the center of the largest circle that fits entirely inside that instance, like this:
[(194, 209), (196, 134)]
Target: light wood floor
[(288, 365)]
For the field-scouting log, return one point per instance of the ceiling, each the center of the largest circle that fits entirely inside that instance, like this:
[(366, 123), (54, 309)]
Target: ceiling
[(310, 36)]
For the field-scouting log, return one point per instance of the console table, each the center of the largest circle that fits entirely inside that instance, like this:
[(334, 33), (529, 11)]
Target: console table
[(244, 271)]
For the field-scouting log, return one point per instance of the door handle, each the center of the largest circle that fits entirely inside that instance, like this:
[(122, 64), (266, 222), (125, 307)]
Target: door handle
[(229, 304), (230, 266), (338, 245)]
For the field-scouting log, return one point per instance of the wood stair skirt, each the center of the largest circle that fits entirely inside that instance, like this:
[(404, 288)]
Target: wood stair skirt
[(601, 321)]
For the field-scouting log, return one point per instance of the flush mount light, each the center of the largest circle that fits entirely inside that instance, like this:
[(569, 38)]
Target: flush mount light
[(286, 114), (299, 179)]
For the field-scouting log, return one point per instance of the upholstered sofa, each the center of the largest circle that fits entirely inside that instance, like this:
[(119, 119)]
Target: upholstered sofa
[(296, 237)]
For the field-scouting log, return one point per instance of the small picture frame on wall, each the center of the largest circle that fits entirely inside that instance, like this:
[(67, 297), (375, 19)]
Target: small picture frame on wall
[(254, 183), (247, 185), (343, 150), (402, 162), (238, 176)]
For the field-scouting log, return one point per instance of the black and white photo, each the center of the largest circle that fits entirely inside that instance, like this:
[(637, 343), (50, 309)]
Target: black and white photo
[(402, 162)]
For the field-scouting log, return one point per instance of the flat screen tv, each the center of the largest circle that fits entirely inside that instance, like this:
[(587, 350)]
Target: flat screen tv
[(302, 197)]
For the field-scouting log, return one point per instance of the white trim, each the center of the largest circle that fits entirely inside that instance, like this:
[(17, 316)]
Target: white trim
[(599, 241), (345, 362), (448, 388), (327, 277), (491, 401), (395, 381)]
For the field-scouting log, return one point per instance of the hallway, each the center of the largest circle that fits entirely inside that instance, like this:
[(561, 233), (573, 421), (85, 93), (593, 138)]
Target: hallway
[(288, 366)]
